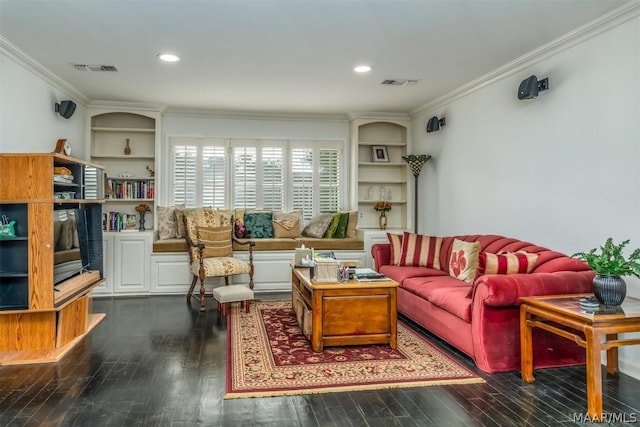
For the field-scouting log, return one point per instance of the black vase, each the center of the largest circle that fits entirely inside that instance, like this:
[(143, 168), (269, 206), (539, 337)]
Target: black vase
[(609, 290), (141, 228)]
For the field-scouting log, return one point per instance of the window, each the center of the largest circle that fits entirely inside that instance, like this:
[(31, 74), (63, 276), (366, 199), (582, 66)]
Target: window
[(280, 175)]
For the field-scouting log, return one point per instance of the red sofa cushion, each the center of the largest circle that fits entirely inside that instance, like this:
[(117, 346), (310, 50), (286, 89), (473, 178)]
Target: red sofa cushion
[(445, 292), (401, 273)]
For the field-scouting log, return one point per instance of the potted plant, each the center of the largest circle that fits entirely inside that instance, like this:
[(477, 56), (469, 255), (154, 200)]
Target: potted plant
[(610, 264)]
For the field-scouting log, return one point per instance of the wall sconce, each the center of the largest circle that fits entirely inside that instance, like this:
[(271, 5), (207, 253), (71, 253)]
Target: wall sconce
[(530, 87), (434, 124), (65, 108)]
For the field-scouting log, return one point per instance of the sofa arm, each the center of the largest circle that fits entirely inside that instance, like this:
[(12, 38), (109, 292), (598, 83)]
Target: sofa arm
[(505, 290), (381, 253)]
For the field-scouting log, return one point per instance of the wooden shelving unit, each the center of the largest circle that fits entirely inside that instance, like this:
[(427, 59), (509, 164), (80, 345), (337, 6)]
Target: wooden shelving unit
[(40, 322)]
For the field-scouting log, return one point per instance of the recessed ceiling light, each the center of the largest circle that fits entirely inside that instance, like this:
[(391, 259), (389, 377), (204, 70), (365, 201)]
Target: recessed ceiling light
[(362, 69), (168, 57)]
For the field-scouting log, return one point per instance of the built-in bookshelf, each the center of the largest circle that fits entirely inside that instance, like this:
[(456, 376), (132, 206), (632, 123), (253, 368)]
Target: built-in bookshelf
[(125, 143), (380, 173)]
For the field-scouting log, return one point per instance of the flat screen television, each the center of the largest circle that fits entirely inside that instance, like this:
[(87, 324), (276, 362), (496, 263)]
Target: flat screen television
[(77, 235)]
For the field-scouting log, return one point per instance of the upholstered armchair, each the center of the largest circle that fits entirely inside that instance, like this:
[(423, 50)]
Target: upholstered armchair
[(210, 238)]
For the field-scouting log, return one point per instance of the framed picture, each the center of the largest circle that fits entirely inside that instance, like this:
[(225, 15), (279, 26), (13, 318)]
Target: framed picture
[(380, 153)]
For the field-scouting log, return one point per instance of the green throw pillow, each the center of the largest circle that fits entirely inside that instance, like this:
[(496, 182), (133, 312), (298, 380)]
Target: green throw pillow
[(341, 231), (332, 227), (259, 224)]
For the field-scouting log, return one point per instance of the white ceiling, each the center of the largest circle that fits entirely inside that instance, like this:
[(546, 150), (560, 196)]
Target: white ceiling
[(285, 56)]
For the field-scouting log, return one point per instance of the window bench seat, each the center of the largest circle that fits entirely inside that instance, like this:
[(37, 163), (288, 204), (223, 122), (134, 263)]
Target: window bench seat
[(287, 244), (271, 258)]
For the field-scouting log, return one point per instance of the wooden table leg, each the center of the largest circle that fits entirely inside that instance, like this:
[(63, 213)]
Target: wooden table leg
[(612, 357), (594, 374), (393, 320), (316, 320), (526, 347)]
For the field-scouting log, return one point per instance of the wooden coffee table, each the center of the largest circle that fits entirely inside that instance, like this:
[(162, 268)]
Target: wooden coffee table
[(349, 313), (599, 329)]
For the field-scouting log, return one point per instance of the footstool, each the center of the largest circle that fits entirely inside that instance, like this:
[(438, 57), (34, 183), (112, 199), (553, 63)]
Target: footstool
[(232, 293)]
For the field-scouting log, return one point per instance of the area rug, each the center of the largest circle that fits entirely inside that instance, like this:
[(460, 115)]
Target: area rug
[(267, 355)]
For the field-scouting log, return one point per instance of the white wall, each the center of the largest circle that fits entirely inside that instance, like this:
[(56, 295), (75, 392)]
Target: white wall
[(249, 127), (560, 171), (28, 122)]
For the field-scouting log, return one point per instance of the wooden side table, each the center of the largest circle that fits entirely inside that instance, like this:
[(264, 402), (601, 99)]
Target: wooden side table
[(599, 329)]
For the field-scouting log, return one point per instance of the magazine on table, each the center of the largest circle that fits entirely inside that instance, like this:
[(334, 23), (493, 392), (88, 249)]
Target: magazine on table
[(369, 275)]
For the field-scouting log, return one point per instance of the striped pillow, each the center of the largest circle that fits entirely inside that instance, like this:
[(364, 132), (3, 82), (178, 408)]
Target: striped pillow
[(507, 263), (396, 248), (216, 240), (420, 251)]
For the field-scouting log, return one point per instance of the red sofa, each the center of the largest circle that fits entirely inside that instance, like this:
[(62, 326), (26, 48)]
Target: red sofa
[(485, 323)]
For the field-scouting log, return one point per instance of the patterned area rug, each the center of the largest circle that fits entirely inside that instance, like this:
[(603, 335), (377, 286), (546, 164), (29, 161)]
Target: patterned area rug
[(267, 355)]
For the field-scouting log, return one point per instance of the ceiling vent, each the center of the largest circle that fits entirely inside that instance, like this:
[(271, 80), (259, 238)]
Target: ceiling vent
[(400, 82), (107, 68)]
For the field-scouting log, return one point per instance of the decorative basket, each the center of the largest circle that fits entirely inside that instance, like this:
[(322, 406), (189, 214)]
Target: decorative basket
[(326, 270)]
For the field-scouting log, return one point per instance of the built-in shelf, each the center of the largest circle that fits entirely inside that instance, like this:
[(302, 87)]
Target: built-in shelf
[(128, 200), (122, 157), (125, 130), (372, 202), (384, 142), (376, 180)]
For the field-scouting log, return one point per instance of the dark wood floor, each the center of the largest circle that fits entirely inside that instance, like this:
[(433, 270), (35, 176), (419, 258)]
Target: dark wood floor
[(156, 362)]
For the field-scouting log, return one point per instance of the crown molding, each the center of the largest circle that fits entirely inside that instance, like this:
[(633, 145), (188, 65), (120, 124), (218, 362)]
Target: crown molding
[(378, 116), (591, 29), (126, 106), (14, 53), (256, 115)]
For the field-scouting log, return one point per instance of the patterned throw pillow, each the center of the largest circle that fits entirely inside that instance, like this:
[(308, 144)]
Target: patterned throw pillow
[(420, 251), (180, 216), (395, 240), (293, 215), (259, 224), (167, 222), (216, 240), (285, 228), (352, 225), (463, 263), (318, 225), (507, 262)]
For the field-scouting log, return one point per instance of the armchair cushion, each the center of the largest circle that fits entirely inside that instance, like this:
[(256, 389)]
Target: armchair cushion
[(216, 241), (223, 266)]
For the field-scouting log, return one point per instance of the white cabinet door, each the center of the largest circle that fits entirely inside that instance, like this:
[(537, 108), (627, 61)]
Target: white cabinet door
[(106, 288), (131, 263)]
